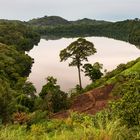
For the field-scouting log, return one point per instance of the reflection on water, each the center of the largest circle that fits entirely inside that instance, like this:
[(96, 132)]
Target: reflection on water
[(110, 53)]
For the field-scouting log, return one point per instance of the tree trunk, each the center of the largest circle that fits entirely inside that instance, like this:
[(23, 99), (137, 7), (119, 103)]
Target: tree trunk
[(79, 74)]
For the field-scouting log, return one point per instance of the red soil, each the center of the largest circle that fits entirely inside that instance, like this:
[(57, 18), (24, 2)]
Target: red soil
[(89, 103)]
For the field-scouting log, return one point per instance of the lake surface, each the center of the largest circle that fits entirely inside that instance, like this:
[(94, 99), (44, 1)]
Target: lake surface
[(110, 53)]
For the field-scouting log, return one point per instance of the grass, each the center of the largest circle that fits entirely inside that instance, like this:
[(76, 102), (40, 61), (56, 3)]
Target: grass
[(76, 127), (132, 70), (132, 67)]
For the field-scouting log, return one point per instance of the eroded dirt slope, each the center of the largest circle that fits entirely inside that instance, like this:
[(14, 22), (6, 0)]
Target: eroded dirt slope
[(90, 102)]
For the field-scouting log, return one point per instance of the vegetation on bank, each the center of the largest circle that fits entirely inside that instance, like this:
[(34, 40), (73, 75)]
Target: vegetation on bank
[(76, 127), (113, 77), (23, 115), (18, 34), (15, 92), (128, 30)]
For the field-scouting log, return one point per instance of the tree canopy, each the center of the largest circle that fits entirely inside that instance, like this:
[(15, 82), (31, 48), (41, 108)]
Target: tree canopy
[(78, 51), (51, 94), (93, 71)]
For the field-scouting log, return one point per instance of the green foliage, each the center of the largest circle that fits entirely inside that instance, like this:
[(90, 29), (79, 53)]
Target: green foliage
[(126, 80), (7, 101), (128, 30), (113, 77), (24, 102), (76, 127), (29, 89), (93, 71), (49, 21), (127, 108), (18, 34), (15, 66), (78, 51), (53, 21), (54, 98), (38, 116), (49, 87), (17, 96)]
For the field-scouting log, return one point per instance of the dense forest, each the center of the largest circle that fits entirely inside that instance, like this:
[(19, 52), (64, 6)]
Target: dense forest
[(50, 115), (57, 27), (15, 65), (18, 34)]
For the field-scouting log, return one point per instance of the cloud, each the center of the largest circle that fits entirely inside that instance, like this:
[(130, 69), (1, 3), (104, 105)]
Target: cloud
[(72, 9)]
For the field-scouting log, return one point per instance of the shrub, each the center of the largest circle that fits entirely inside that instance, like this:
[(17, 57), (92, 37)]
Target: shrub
[(20, 117), (127, 108), (37, 129)]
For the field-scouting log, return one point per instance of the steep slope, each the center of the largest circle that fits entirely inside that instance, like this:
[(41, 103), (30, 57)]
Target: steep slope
[(18, 34), (90, 102), (98, 94)]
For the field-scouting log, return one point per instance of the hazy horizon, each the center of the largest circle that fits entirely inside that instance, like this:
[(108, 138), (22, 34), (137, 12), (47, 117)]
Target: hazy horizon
[(109, 10)]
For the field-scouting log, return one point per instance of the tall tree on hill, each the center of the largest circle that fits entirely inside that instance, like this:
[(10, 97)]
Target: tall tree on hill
[(78, 51)]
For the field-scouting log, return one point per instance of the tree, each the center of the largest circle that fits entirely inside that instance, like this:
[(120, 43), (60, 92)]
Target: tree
[(29, 89), (49, 87), (54, 98), (93, 71), (7, 101), (78, 51)]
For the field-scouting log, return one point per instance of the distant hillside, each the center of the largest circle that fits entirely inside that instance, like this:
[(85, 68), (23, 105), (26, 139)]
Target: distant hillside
[(56, 27), (49, 21), (89, 21), (56, 21)]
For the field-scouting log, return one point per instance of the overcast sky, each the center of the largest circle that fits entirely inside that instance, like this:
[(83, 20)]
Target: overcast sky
[(112, 10)]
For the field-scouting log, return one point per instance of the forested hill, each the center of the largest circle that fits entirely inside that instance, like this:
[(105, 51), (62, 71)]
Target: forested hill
[(18, 34), (49, 21), (85, 21), (24, 116), (57, 27), (59, 21), (16, 37)]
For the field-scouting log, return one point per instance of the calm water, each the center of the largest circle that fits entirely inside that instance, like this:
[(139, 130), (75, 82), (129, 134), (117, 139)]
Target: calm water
[(110, 53)]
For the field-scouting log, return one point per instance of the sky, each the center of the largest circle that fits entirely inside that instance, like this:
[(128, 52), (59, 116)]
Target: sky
[(111, 10)]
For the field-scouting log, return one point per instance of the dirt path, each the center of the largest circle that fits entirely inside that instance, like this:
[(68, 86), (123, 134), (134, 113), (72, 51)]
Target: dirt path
[(90, 102)]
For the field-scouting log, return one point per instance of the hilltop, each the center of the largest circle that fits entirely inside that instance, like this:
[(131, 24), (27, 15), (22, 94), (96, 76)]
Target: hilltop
[(50, 27), (49, 21), (59, 21), (86, 21)]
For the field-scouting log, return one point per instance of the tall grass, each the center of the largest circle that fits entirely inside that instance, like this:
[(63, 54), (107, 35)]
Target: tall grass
[(76, 127)]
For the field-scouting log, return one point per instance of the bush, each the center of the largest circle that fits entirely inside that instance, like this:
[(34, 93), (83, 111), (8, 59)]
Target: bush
[(127, 108), (38, 117), (21, 117), (54, 98)]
